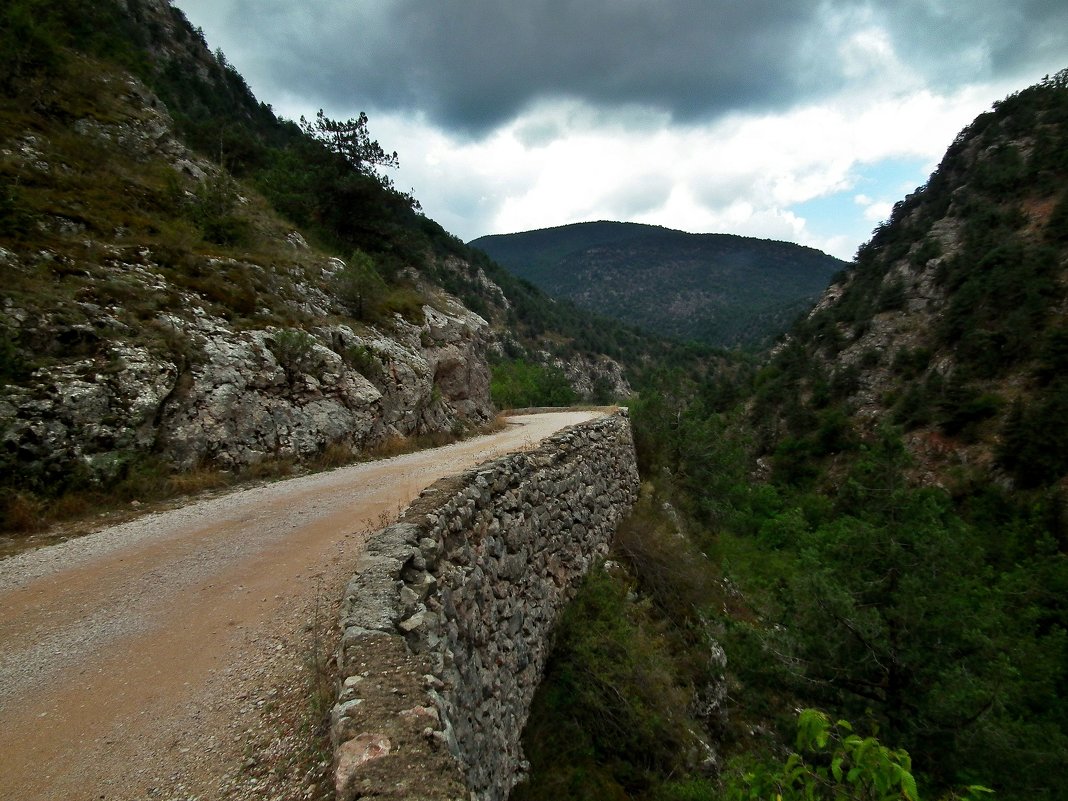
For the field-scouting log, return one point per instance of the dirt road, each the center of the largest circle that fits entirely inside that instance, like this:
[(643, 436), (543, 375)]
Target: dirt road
[(164, 658)]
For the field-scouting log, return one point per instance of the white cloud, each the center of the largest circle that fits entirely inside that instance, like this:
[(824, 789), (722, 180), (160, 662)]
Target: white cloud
[(862, 84), (564, 162), (874, 210)]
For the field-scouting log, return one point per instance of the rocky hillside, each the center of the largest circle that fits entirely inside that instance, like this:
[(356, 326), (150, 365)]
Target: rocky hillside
[(191, 282), (953, 323), (724, 290), (127, 333)]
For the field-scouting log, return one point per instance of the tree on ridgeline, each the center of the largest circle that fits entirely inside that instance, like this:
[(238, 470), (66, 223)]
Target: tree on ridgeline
[(352, 141)]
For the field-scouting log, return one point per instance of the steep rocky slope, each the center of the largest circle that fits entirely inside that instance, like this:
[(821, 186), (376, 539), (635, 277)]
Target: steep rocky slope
[(128, 336), (716, 288), (953, 322), (883, 508)]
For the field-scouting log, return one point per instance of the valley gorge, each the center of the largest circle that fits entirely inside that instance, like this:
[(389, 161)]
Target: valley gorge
[(813, 546)]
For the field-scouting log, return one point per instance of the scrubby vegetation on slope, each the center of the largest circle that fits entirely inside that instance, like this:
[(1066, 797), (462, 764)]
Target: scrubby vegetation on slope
[(952, 322)]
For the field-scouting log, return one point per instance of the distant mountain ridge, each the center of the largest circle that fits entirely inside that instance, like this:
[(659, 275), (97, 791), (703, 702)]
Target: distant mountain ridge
[(721, 289)]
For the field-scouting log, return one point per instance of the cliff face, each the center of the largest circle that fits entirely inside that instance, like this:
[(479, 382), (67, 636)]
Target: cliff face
[(127, 336), (952, 322)]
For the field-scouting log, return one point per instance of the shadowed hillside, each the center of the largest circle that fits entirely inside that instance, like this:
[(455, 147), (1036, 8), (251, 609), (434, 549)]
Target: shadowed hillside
[(721, 289)]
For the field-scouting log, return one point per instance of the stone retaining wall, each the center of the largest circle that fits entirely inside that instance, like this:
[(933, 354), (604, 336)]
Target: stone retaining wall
[(448, 620)]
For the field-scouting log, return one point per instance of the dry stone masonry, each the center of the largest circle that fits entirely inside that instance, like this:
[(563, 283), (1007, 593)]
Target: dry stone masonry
[(448, 620)]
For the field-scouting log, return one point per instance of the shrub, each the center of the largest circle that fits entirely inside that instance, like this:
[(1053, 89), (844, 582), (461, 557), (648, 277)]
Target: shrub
[(520, 384), (964, 407), (1035, 438), (1057, 225), (364, 361), (20, 511), (892, 297), (28, 45), (832, 763), (13, 363), (609, 715), (406, 302), (213, 211), (914, 408), (15, 218), (295, 351), (359, 286)]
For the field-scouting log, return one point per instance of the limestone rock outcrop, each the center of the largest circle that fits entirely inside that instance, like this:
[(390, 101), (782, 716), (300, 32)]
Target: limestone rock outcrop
[(119, 348), (192, 388)]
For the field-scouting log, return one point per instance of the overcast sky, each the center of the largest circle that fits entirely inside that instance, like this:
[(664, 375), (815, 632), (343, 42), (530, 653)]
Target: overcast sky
[(783, 119)]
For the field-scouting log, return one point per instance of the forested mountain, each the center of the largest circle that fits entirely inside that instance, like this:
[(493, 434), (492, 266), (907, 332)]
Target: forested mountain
[(872, 523), (721, 289)]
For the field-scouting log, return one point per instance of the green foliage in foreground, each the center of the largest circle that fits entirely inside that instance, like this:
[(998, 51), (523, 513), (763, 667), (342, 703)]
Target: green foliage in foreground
[(520, 384), (943, 620), (831, 763), (611, 716)]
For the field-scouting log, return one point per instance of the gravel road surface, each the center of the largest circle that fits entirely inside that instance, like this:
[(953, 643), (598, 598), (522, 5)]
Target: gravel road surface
[(166, 658)]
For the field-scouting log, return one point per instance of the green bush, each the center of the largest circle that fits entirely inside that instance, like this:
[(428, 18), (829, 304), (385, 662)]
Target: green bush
[(911, 362), (831, 763), (1057, 225), (964, 407), (28, 43), (520, 384), (364, 361), (295, 351), (16, 220), (14, 365), (213, 210), (359, 286), (1035, 438), (610, 716), (914, 408)]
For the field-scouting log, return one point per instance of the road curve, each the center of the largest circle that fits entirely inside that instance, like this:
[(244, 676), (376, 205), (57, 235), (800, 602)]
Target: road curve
[(135, 661)]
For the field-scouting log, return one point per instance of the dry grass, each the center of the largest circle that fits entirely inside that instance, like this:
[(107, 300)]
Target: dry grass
[(271, 468), (494, 426), (71, 507), (200, 479), (397, 446), (336, 454), (22, 512)]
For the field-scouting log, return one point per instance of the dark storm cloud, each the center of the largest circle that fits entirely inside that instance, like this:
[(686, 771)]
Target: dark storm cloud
[(473, 64), (952, 40)]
